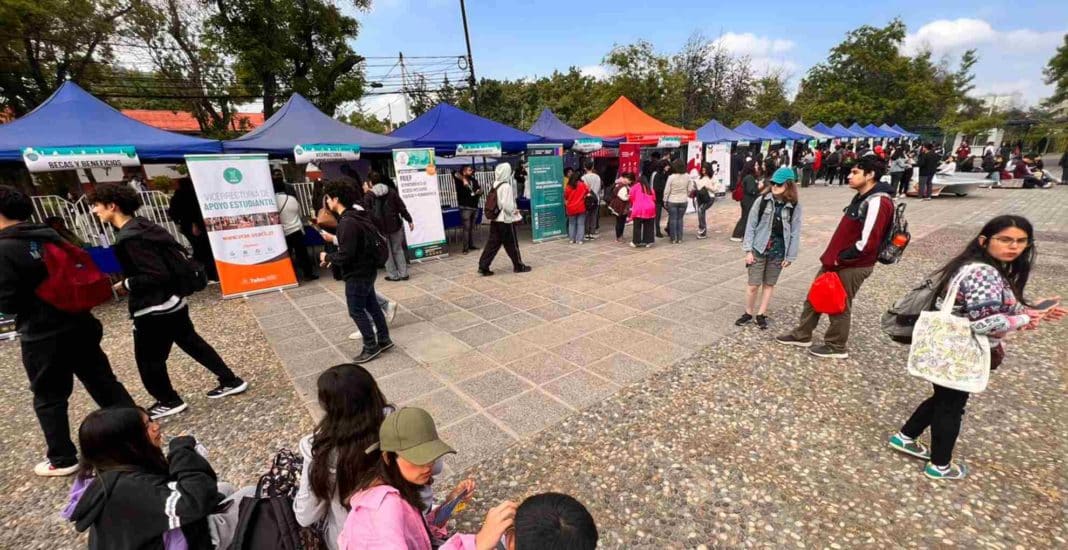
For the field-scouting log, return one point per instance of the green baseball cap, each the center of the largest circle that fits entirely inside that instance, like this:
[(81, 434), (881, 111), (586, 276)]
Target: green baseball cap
[(410, 432), (783, 175)]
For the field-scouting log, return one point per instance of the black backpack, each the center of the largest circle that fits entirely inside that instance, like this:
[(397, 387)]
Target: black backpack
[(591, 201), (187, 275), (374, 241), (267, 520)]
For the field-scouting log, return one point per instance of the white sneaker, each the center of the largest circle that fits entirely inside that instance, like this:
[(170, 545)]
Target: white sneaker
[(736, 239), (391, 312), (46, 469), (356, 336)]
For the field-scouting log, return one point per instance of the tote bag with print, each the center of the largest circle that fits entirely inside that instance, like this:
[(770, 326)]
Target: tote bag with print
[(944, 349)]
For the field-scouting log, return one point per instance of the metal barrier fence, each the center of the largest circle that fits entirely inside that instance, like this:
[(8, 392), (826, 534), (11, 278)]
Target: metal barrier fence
[(78, 216), (446, 192)]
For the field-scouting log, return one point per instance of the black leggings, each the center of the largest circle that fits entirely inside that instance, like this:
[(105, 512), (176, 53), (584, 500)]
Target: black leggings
[(943, 412), (621, 224)]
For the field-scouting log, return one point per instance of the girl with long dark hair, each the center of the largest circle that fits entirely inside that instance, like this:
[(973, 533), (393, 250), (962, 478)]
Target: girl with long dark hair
[(994, 269), (334, 454), (751, 189), (129, 496), (642, 213)]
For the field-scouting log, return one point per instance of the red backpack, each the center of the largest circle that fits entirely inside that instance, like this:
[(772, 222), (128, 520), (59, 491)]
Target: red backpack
[(74, 284)]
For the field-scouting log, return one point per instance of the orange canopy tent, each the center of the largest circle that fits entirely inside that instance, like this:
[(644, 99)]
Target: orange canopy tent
[(624, 120)]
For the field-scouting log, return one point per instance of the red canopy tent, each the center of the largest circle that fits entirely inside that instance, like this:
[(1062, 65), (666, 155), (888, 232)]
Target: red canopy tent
[(624, 120)]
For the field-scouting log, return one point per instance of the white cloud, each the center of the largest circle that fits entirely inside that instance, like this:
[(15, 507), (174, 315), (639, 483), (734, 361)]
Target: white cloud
[(753, 45), (946, 36), (598, 72)]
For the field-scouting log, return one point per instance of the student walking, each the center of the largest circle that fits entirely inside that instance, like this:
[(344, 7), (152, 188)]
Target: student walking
[(389, 213), (575, 207), (707, 189), (56, 346), (897, 172), (293, 227), (145, 252), (619, 202), (851, 253), (677, 197), (642, 213), (502, 227), (993, 271), (468, 193), (772, 239), (593, 207), (751, 189)]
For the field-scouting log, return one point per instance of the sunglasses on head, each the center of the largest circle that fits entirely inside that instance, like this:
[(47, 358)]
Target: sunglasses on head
[(778, 183)]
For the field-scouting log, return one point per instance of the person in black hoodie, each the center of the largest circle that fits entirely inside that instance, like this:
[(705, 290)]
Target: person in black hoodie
[(56, 346), (658, 182), (185, 211), (387, 208), (359, 267), (160, 315), (129, 497), (468, 193), (928, 167)]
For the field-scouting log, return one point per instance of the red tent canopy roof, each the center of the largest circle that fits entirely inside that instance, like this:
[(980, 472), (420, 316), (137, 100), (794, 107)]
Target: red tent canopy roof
[(624, 120)]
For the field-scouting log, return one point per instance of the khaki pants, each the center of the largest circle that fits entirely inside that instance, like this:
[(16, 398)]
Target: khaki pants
[(838, 333)]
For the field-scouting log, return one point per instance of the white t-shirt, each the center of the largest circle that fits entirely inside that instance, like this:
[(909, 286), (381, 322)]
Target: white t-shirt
[(593, 181), (289, 211)]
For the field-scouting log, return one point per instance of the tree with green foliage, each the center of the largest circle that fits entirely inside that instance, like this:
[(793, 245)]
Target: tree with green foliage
[(646, 78), (769, 101), (365, 121), (714, 83), (1056, 73)]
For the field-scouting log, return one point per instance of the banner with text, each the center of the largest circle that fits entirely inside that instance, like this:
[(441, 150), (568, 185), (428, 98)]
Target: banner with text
[(241, 216), (325, 152), (417, 184), (545, 173), (52, 159), (486, 149), (587, 145), (630, 158), (718, 157)]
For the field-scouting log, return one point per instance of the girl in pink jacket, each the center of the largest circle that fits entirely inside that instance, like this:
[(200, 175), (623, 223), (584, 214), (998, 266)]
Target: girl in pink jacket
[(386, 512), (642, 212)]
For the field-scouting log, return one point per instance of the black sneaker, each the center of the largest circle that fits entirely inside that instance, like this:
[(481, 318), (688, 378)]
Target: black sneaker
[(523, 269), (383, 346), (159, 410), (367, 355), (828, 352), (762, 322), (230, 388), (790, 340), (744, 319), (485, 272)]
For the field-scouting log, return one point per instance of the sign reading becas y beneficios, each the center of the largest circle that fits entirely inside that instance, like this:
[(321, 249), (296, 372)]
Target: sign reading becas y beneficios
[(241, 217), (53, 159)]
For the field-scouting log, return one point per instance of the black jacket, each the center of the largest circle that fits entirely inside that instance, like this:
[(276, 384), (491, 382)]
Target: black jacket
[(465, 195), (185, 209), (387, 208), (22, 269), (658, 182), (354, 255), (140, 247), (130, 510), (929, 162)]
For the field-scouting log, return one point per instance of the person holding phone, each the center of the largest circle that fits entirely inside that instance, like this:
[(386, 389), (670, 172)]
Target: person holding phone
[(995, 266)]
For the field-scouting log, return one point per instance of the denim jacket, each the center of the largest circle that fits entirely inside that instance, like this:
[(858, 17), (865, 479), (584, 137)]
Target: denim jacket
[(757, 237)]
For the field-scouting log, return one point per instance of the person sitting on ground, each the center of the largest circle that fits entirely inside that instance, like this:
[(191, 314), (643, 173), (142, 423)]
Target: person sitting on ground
[(772, 239), (387, 511), (145, 252), (130, 497), (389, 212), (552, 520)]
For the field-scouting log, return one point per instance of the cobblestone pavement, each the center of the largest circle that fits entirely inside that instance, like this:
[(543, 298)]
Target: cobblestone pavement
[(617, 375)]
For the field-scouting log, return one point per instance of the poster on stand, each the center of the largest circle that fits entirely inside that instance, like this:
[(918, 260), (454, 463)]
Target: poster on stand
[(244, 228), (718, 157), (417, 184), (545, 180), (630, 158), (693, 169)]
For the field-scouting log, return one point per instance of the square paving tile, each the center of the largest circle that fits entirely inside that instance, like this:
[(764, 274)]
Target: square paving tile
[(285, 332), (434, 311), (580, 323), (463, 366), (445, 406), (526, 301), (622, 369), (680, 312), (490, 312), (325, 318), (474, 439), (473, 300), (643, 301), (457, 320), (518, 322), (299, 344), (390, 362), (552, 311), (649, 324), (426, 342), (313, 300), (285, 317), (314, 361), (480, 334), (582, 351), (541, 367), (581, 388), (529, 413), (546, 336), (493, 387), (657, 352), (509, 349), (615, 312), (422, 300), (407, 385)]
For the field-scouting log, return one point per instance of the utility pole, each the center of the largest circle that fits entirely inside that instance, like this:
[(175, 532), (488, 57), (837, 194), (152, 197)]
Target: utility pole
[(404, 84), (470, 60)]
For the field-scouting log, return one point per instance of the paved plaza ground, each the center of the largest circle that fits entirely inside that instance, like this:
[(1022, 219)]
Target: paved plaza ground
[(617, 375)]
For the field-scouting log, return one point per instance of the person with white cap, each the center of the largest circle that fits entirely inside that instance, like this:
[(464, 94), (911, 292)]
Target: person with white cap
[(387, 511)]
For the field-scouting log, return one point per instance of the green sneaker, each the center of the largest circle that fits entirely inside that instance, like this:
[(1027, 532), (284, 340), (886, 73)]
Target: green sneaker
[(955, 471), (914, 447)]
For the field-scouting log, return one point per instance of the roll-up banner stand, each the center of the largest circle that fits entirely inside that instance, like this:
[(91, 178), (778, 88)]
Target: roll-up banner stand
[(417, 184), (545, 169)]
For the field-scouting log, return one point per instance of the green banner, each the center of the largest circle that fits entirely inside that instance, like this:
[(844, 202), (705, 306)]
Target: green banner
[(488, 149), (545, 166), (325, 152)]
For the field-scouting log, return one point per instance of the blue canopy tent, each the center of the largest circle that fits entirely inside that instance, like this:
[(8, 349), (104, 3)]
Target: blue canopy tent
[(861, 132), (879, 132), (300, 122), (907, 133), (778, 129), (714, 132), (886, 128), (755, 133), (444, 127), (553, 130), (800, 128), (72, 117), (824, 129), (842, 131)]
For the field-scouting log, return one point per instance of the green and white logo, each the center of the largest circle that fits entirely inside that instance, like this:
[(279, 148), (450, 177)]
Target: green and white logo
[(232, 175), (669, 142), (486, 148)]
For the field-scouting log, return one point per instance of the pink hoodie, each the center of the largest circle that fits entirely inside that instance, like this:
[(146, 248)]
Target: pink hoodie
[(643, 204), (380, 519)]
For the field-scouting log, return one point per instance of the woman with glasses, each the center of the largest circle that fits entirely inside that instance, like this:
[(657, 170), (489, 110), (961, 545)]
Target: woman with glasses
[(995, 267)]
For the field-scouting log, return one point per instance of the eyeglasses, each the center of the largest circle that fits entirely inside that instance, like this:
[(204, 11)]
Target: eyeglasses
[(778, 183), (1009, 241)]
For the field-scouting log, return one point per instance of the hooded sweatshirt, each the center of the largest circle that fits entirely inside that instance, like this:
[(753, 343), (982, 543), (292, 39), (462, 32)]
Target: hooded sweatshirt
[(140, 247), (502, 181), (136, 510), (22, 270), (354, 255), (861, 230), (387, 208)]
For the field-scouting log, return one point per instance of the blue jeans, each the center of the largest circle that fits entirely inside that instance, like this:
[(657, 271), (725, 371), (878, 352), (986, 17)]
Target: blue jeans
[(364, 309), (676, 210), (702, 209), (576, 227)]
